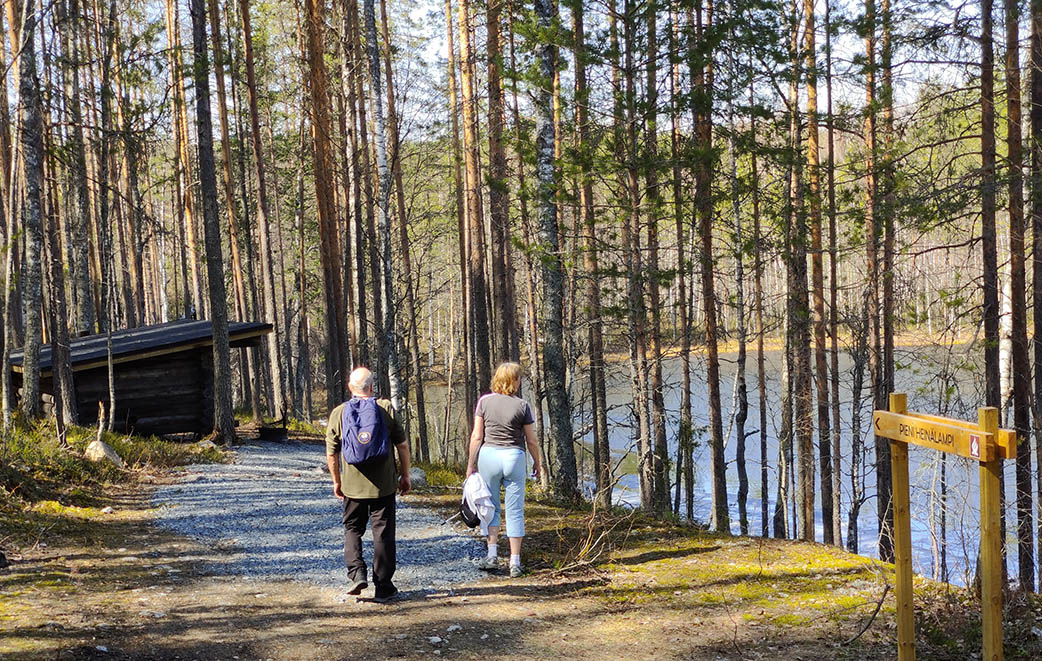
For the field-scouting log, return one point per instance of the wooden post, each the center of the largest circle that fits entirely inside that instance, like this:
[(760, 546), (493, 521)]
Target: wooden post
[(990, 552), (902, 538)]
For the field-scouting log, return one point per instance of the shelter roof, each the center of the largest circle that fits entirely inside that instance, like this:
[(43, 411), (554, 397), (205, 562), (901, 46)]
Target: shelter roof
[(146, 342)]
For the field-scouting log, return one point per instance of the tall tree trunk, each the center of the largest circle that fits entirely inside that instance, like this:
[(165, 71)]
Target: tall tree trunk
[(598, 397), (837, 524), (367, 236), (387, 303), (626, 147), (505, 326), (884, 491), (70, 25), (1021, 362), (8, 181), (685, 433), (187, 180), (1035, 114), (660, 452), (799, 305), (224, 420), (989, 249), (741, 413), (227, 182), (530, 284), (477, 312), (703, 78), (31, 136), (64, 391), (183, 198), (350, 188), (275, 360), (565, 482), (336, 379), (761, 372), (818, 277), (422, 449), (462, 225)]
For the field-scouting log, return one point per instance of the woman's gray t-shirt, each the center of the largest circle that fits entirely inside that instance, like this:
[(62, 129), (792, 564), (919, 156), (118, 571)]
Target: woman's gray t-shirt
[(505, 418)]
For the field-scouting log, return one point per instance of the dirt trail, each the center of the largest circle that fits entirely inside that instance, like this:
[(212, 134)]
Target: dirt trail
[(119, 587)]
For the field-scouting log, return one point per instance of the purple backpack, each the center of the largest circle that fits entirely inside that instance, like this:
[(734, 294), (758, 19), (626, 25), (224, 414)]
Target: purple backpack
[(363, 435)]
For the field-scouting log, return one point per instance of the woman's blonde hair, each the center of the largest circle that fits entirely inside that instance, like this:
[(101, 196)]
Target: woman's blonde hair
[(507, 380)]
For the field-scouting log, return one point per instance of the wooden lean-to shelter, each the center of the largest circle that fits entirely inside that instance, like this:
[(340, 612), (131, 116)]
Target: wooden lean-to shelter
[(163, 374)]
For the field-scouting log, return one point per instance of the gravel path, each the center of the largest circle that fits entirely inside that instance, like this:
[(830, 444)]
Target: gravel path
[(272, 512)]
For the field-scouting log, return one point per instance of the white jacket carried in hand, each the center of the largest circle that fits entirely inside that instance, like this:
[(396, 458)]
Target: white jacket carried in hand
[(479, 499)]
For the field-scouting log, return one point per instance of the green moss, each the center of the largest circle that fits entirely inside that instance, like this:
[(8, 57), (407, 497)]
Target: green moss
[(790, 620)]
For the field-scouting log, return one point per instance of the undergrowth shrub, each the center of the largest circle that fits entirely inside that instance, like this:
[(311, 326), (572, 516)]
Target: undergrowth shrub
[(34, 466), (440, 475)]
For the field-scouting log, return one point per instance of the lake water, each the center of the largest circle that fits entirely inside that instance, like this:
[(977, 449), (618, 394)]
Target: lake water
[(937, 380)]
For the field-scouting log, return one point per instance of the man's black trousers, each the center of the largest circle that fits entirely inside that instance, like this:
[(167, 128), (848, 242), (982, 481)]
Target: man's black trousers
[(379, 512)]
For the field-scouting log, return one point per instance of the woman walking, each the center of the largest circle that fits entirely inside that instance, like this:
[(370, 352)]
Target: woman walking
[(503, 426)]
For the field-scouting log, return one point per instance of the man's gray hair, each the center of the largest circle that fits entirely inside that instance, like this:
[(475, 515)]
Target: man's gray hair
[(361, 379)]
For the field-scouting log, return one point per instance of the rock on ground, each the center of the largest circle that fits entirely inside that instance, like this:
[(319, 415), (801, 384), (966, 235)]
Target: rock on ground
[(417, 477), (102, 451), (275, 517)]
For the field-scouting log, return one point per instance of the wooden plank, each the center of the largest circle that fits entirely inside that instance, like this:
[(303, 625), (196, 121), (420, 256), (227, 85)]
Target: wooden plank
[(902, 538), (955, 439), (1005, 439), (1006, 444), (990, 546), (167, 424)]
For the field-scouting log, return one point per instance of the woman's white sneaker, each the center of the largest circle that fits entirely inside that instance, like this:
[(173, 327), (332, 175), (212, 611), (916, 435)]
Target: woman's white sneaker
[(489, 563)]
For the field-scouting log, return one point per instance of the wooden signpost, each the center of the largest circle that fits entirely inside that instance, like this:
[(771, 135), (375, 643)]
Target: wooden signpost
[(983, 442)]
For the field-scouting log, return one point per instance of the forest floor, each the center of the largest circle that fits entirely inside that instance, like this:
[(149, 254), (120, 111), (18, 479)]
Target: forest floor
[(92, 585)]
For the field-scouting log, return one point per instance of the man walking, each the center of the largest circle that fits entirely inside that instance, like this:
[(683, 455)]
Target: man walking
[(359, 440)]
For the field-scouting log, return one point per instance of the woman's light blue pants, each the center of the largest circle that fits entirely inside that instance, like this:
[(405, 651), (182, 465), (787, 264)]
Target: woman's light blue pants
[(506, 467)]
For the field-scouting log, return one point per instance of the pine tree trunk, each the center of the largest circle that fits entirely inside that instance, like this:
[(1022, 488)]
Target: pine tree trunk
[(703, 78), (761, 372), (227, 182), (660, 451), (367, 237), (626, 146), (741, 413), (275, 360), (1035, 114), (469, 381), (685, 432), (1021, 364), (336, 380), (837, 524), (505, 326), (598, 399), (477, 312), (818, 278), (196, 305), (224, 420), (70, 25), (884, 504), (64, 390), (565, 481)]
